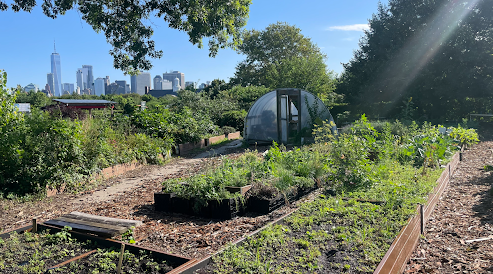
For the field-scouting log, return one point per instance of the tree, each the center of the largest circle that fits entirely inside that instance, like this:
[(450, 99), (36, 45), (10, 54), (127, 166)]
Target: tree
[(124, 23), (279, 52), (433, 54)]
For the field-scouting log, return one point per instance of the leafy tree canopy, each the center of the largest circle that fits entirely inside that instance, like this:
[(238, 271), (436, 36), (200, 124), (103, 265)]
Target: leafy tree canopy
[(281, 57), (124, 23), (429, 58)]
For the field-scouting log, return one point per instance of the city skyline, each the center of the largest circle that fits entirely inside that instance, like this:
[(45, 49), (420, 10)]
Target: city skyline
[(335, 27)]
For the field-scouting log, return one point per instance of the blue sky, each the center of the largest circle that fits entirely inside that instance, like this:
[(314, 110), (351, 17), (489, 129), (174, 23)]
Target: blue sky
[(27, 41)]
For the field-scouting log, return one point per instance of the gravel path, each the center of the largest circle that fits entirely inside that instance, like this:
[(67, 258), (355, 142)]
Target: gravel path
[(464, 213)]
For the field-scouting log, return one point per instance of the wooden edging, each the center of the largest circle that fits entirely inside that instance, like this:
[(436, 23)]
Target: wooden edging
[(180, 261), (404, 244)]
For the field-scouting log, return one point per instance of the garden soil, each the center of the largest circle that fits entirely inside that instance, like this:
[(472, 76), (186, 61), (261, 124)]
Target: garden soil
[(131, 196), (464, 213)]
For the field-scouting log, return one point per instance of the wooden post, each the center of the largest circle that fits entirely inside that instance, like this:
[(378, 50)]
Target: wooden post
[(35, 226), (422, 217), (449, 174), (119, 267)]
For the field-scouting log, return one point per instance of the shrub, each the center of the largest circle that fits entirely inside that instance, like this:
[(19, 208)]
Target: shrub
[(233, 118)]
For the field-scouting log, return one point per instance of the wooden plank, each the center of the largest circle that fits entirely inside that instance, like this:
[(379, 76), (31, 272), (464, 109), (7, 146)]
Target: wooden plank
[(120, 229), (84, 228), (102, 219)]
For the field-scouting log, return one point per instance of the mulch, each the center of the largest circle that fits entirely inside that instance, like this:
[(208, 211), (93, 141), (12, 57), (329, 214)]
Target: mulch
[(464, 212), (183, 235)]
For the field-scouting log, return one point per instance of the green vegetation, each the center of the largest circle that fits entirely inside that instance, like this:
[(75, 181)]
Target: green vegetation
[(419, 61), (106, 261), (36, 252), (280, 57), (28, 253), (345, 230)]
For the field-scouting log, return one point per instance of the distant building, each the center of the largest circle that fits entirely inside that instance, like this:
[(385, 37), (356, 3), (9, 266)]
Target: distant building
[(165, 84), (68, 87), (106, 84), (127, 88), (56, 70), (121, 86), (32, 87), (176, 85), (160, 93), (112, 88), (158, 82), (80, 78), (51, 82), (139, 82), (99, 86), (170, 76), (90, 78), (77, 90), (46, 91)]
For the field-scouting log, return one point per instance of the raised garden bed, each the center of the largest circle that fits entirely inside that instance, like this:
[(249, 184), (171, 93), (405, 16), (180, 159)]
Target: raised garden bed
[(234, 135), (73, 252), (215, 139)]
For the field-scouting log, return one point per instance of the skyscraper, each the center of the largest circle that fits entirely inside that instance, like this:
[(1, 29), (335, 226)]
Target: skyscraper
[(175, 74), (139, 82), (68, 87), (99, 86), (106, 85), (90, 78), (56, 69), (121, 86), (80, 79), (158, 82), (51, 82)]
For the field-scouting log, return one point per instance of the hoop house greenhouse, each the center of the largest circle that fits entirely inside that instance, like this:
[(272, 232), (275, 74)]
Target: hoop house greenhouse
[(270, 118)]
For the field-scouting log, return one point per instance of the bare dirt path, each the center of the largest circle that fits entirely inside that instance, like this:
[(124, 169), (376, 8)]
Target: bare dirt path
[(13, 215), (464, 212)]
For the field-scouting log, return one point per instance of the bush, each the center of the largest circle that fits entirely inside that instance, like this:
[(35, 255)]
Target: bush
[(233, 118), (227, 130)]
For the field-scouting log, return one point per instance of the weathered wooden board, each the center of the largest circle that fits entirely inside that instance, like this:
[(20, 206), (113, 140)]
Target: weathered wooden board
[(121, 229), (98, 225), (104, 232), (103, 220)]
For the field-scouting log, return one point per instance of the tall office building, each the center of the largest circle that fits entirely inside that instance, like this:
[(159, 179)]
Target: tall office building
[(121, 86), (166, 84), (90, 78), (68, 87), (56, 69), (79, 75), (84, 76), (107, 83), (51, 83), (139, 82), (158, 82), (175, 74), (99, 86)]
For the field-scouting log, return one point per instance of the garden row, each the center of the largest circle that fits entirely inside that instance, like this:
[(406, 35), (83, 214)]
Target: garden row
[(373, 179), (54, 250)]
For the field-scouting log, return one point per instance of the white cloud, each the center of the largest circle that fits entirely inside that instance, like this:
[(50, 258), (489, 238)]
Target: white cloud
[(355, 27)]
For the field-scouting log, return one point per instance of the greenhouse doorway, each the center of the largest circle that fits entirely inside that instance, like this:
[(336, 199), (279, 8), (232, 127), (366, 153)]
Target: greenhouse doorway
[(288, 120), (286, 116)]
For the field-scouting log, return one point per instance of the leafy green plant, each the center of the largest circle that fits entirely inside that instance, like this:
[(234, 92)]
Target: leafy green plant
[(464, 136)]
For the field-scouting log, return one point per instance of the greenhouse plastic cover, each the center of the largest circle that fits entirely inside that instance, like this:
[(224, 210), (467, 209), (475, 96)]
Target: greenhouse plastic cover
[(261, 120)]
